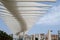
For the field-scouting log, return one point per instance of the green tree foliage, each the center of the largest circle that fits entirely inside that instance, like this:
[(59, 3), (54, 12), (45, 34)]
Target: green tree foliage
[(5, 36)]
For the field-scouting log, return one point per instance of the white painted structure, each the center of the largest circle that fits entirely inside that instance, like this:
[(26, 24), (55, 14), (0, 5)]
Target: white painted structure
[(21, 15), (49, 34)]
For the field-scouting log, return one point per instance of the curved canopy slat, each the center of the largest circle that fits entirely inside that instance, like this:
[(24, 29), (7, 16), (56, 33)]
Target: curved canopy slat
[(12, 23), (31, 4), (34, 0), (31, 8)]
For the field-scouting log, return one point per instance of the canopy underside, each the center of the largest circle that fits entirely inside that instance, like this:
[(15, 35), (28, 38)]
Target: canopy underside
[(21, 15)]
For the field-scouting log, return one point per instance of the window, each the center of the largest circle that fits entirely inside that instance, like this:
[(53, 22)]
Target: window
[(36, 38)]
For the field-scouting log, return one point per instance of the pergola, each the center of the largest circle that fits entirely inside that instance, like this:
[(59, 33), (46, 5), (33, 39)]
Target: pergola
[(21, 15)]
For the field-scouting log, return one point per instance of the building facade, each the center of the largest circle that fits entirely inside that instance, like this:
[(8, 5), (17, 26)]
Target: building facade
[(53, 37), (44, 37)]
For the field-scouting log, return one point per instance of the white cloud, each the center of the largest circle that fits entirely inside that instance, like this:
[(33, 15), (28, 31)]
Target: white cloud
[(52, 18)]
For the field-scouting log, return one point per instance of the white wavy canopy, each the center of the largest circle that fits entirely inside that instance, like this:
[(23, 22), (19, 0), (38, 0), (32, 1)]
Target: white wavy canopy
[(20, 15)]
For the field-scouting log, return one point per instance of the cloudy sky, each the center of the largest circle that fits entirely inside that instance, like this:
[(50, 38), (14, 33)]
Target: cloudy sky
[(50, 21)]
